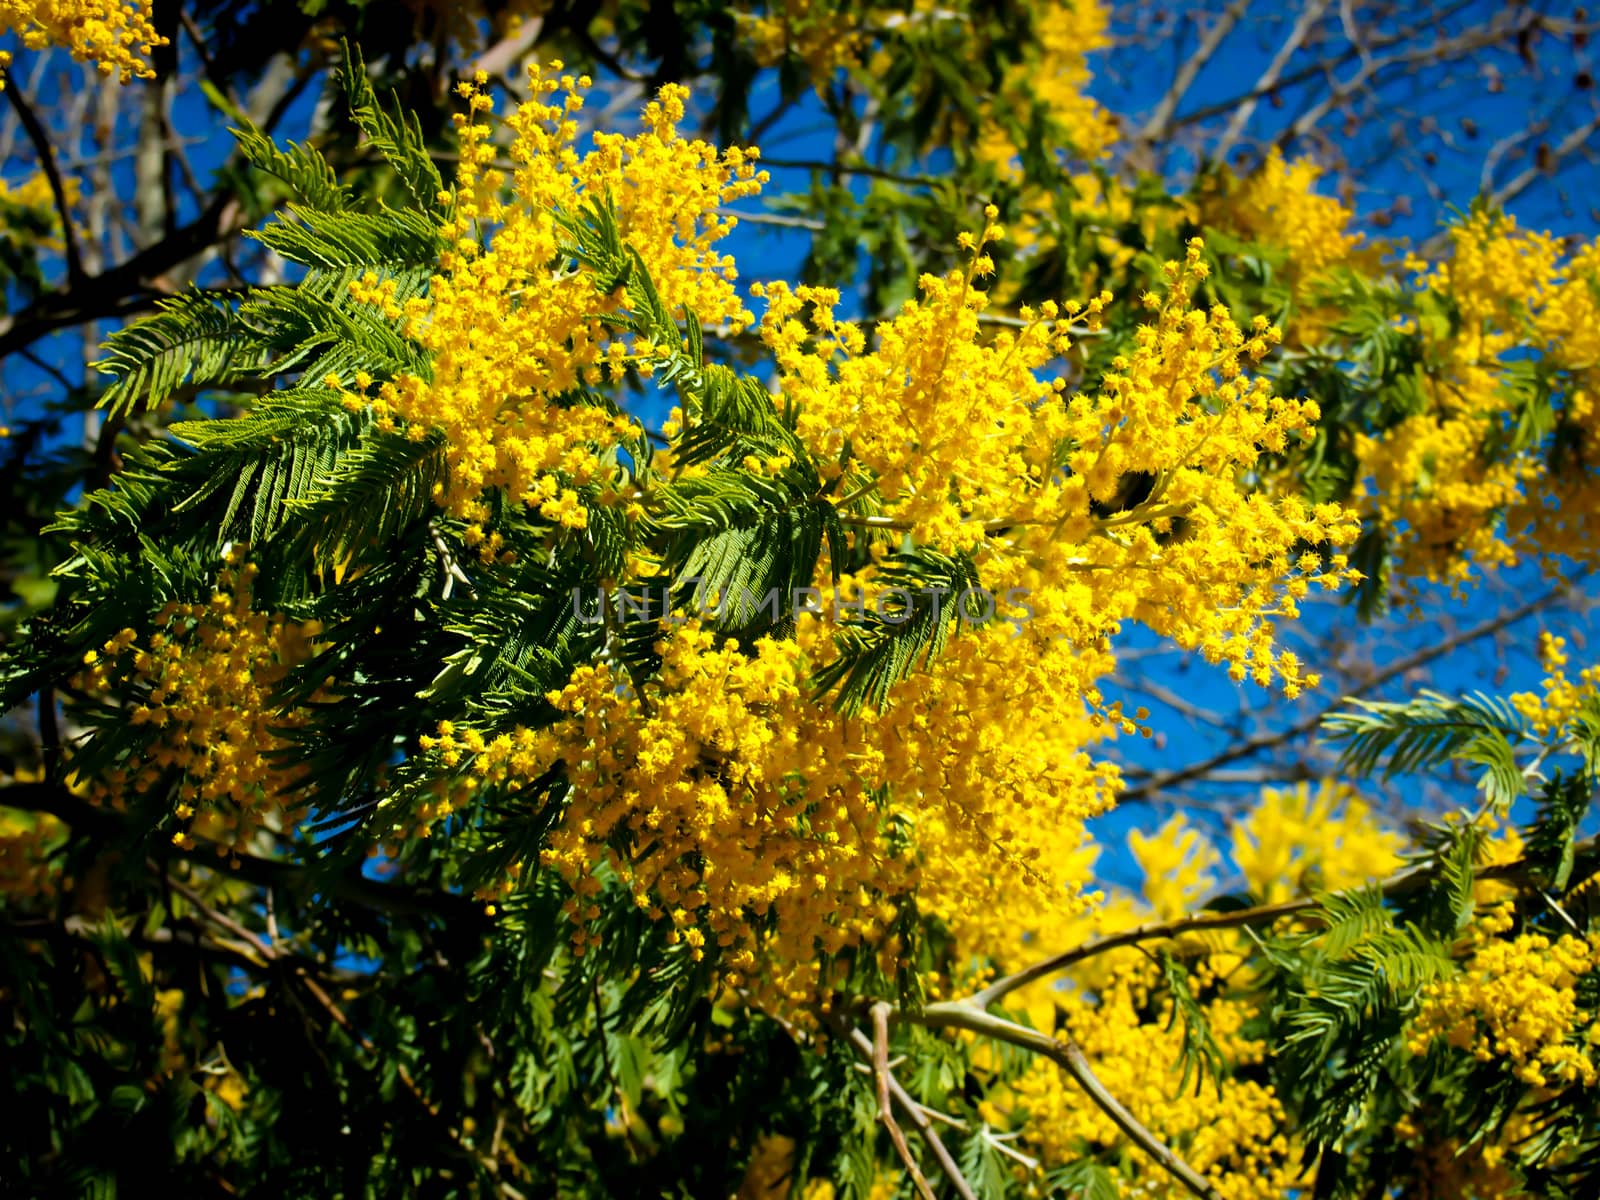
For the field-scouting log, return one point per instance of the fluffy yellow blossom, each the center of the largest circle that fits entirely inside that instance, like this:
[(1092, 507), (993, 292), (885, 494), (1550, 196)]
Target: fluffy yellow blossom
[(970, 449), (1563, 697), (1177, 863), (741, 808), (35, 195), (28, 867), (116, 36), (720, 795), (823, 34), (1515, 1002), (1297, 841), (1278, 204), (1430, 478), (1055, 75), (204, 678), (511, 333), (749, 814), (1495, 268), (1456, 491)]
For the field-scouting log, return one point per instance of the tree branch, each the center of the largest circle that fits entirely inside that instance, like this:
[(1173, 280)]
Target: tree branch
[(880, 1074), (1065, 1053), (918, 1113), (47, 163), (1573, 141), (263, 872), (1267, 741), (129, 287), (1309, 16), (1156, 127), (1403, 884)]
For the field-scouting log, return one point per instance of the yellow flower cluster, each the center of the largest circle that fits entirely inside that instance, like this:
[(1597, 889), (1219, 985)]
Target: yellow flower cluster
[(1292, 842), (1452, 500), (966, 445), (1178, 865), (986, 759), (1431, 480), (909, 408), (746, 811), (1232, 1133), (1562, 697), (821, 33), (508, 330), (35, 194), (27, 842), (116, 35), (1278, 204), (770, 1174), (1296, 842), (1054, 74), (205, 677), (1515, 1001), (450, 21), (721, 796), (1493, 272), (1447, 1170)]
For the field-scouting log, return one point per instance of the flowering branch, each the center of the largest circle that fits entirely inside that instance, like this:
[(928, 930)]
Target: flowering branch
[(1405, 883)]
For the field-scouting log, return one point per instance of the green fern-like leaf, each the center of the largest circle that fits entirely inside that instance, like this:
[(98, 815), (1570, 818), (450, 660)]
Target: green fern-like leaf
[(363, 499), (1200, 1056), (197, 338), (397, 136), (876, 651), (1552, 841), (1349, 919), (301, 167), (389, 241), (1422, 733), (1084, 1180)]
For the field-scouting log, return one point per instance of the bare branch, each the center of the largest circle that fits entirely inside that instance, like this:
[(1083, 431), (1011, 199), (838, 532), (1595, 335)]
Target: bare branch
[(880, 1073), (1309, 16), (52, 173), (1568, 145), (917, 1112), (1157, 126), (1249, 747), (1405, 883)]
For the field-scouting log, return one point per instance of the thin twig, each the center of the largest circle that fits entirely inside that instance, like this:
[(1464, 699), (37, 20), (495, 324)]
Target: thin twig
[(1309, 16), (1156, 127), (880, 1073), (52, 173), (865, 169), (1393, 888), (1267, 741), (777, 220), (1065, 1053), (916, 1112), (1568, 144)]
